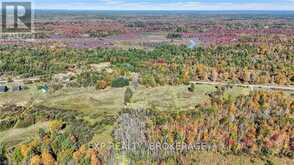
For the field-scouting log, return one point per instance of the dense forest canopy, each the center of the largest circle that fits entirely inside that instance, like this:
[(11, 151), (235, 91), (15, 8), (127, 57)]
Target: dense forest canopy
[(236, 63)]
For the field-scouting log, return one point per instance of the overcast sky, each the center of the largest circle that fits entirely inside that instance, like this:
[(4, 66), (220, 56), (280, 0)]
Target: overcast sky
[(164, 4)]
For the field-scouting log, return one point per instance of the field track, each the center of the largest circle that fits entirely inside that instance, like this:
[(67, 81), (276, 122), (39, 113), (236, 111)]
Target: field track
[(251, 86)]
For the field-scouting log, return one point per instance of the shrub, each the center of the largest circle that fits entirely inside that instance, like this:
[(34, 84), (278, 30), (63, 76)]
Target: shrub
[(180, 29), (7, 123), (25, 149), (42, 133), (94, 159), (3, 159), (56, 86), (192, 87), (120, 82), (128, 95), (47, 158), (65, 156), (269, 162), (55, 125), (85, 161), (161, 120), (148, 80), (25, 122), (174, 36), (2, 149), (36, 160), (17, 156), (101, 84), (160, 79), (87, 79), (60, 143), (290, 155)]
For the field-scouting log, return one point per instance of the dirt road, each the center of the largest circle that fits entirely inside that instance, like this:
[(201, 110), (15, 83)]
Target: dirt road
[(251, 86)]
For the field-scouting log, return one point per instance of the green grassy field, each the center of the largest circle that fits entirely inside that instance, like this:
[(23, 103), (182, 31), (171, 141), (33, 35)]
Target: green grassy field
[(18, 135), (97, 104), (91, 101), (212, 158)]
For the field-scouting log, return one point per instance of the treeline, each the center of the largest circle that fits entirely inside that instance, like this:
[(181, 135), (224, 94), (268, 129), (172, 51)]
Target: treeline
[(64, 141), (166, 64), (259, 124)]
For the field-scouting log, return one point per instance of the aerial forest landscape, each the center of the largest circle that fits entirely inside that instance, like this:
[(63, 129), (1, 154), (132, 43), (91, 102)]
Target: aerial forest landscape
[(136, 86)]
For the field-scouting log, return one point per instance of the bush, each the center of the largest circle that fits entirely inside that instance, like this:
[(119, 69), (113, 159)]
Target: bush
[(2, 149), (192, 87), (269, 162), (56, 86), (47, 158), (87, 79), (55, 125), (36, 160), (266, 152), (290, 155), (148, 80), (174, 36), (85, 161), (65, 156), (3, 159), (7, 123), (160, 120), (24, 122), (128, 95), (120, 82), (17, 156), (101, 84)]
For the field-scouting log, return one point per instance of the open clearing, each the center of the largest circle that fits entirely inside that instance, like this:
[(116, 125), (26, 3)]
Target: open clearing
[(213, 158), (96, 104), (15, 135), (91, 101)]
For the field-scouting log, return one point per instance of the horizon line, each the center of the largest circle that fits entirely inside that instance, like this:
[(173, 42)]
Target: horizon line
[(261, 10)]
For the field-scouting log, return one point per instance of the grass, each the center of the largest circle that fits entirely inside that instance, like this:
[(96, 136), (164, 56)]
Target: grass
[(168, 98), (20, 98), (237, 91), (87, 100), (91, 101), (96, 104), (103, 136), (16, 135), (212, 158)]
